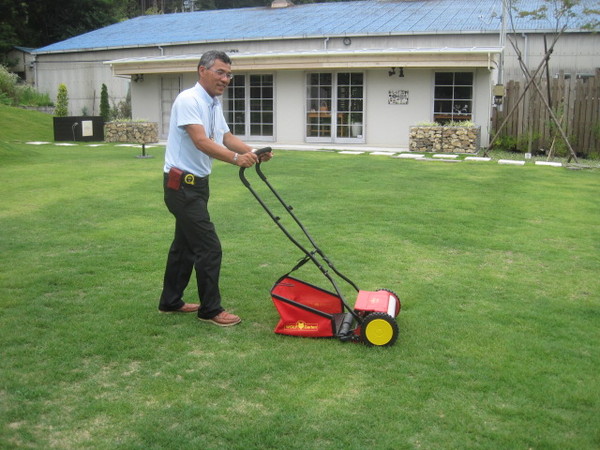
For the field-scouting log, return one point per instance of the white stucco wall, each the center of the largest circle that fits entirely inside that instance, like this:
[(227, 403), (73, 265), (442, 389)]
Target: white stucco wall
[(386, 125), (83, 74)]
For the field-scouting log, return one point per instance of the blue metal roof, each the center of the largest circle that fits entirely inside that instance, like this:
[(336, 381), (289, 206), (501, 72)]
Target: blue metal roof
[(357, 18)]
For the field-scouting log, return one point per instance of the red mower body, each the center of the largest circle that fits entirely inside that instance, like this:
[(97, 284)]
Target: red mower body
[(304, 309)]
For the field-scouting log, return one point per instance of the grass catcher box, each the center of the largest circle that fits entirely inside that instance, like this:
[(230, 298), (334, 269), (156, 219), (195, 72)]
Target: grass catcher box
[(304, 309)]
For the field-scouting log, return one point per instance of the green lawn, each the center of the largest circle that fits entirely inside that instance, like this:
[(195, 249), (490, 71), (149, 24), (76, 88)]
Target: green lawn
[(497, 268)]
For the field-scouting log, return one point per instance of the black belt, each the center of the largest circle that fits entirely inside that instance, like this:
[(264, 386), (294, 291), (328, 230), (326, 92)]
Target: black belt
[(191, 179)]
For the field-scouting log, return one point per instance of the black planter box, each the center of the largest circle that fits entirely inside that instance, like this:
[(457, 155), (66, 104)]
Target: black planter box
[(79, 128)]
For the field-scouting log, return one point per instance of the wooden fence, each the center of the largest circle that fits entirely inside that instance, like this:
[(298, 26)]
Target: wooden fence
[(576, 104)]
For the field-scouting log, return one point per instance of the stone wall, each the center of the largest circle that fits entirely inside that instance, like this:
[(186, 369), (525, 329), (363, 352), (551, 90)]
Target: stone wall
[(444, 139), (131, 132)]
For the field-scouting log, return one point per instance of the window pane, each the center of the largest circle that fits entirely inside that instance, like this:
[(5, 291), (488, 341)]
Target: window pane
[(443, 106), (255, 92), (463, 92), (446, 78), (443, 92), (356, 79), (463, 78)]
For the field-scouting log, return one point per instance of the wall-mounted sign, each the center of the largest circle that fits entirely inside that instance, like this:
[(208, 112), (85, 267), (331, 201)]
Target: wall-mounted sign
[(399, 97)]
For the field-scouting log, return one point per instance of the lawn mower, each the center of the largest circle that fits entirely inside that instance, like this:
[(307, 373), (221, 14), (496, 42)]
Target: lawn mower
[(310, 311)]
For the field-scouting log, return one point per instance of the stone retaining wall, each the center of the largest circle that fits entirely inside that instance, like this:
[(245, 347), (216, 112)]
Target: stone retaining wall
[(444, 139), (131, 132)]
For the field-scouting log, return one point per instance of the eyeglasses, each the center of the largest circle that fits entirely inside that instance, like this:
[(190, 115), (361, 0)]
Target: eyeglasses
[(222, 73)]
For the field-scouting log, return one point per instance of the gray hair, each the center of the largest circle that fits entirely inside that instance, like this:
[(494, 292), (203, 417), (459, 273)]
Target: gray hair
[(208, 59)]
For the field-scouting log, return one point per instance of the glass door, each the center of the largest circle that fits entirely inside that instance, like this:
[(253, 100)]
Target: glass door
[(334, 107), (249, 106), (170, 87)]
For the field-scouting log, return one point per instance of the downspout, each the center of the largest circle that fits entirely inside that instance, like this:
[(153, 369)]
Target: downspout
[(162, 51), (35, 71), (502, 43), (325, 42), (526, 51)]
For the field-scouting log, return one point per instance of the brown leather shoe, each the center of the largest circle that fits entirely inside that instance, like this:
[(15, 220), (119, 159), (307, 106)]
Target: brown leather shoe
[(186, 308), (223, 319)]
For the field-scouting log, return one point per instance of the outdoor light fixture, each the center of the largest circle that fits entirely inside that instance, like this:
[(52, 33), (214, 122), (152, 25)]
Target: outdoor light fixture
[(137, 78), (392, 72)]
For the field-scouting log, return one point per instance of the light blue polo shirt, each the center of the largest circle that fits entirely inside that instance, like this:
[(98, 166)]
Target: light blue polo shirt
[(193, 106)]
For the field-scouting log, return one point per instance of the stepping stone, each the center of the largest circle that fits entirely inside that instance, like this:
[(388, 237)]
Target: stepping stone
[(383, 153), (37, 143), (511, 161), (477, 158), (350, 153), (548, 163), (445, 156), (409, 156), (438, 160)]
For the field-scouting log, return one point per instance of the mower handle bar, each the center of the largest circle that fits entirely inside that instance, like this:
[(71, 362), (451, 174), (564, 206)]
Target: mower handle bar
[(309, 255)]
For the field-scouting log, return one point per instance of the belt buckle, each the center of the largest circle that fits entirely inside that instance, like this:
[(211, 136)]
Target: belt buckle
[(189, 179)]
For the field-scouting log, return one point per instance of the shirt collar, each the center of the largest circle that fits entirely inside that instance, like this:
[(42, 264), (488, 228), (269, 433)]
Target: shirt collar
[(213, 101)]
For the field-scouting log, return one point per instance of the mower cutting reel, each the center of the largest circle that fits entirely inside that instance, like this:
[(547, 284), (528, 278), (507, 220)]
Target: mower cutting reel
[(311, 311)]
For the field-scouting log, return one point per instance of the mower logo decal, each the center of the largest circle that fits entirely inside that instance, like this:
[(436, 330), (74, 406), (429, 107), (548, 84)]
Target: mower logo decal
[(302, 326)]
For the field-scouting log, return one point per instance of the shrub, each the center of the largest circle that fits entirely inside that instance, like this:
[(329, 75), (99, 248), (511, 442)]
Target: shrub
[(104, 105), (28, 96), (8, 82), (62, 101)]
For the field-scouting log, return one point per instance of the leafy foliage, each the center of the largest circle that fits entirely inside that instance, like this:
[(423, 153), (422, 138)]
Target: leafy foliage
[(11, 93), (62, 101), (104, 105)]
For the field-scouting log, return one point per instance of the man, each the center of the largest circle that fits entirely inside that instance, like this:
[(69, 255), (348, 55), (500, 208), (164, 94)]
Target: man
[(198, 133)]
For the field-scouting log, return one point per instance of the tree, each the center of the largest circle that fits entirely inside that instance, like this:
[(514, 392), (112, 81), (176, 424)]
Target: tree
[(104, 105), (561, 14), (62, 101)]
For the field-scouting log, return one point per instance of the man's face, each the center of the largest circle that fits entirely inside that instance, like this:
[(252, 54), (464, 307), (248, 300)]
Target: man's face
[(216, 79)]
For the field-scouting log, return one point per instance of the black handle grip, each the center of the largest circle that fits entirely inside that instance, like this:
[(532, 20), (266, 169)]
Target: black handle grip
[(262, 151)]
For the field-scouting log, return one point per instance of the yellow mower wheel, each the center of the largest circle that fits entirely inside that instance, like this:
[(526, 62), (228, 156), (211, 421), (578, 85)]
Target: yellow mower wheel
[(379, 329)]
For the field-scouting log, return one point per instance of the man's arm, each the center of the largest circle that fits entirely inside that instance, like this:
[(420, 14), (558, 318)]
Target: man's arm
[(235, 144), (234, 152)]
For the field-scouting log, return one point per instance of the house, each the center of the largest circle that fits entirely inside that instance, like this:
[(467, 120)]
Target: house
[(351, 73), (20, 61)]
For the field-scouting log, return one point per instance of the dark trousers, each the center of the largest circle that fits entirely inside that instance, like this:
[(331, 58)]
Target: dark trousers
[(195, 246)]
